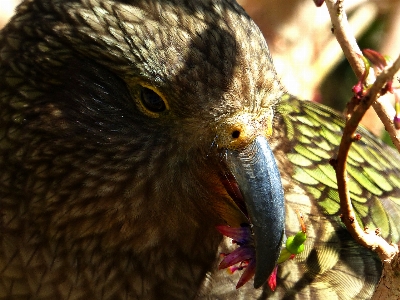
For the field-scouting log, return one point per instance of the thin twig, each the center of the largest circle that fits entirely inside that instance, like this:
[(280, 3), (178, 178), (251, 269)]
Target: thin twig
[(345, 36), (331, 53)]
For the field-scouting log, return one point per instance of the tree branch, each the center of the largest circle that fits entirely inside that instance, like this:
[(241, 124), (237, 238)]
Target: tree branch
[(348, 43), (371, 241), (388, 287)]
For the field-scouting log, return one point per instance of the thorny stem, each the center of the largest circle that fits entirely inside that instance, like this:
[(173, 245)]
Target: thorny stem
[(344, 36), (372, 241), (330, 54), (389, 254), (352, 53), (348, 43)]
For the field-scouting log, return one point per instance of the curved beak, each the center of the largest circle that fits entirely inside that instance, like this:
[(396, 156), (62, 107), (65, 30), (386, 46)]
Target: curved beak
[(258, 177)]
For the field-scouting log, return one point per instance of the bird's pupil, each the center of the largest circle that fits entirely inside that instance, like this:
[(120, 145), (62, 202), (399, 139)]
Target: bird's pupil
[(236, 134), (151, 100)]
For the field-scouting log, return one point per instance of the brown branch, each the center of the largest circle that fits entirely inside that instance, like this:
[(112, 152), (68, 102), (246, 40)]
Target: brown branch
[(371, 241), (388, 287), (348, 43), (386, 113), (331, 53)]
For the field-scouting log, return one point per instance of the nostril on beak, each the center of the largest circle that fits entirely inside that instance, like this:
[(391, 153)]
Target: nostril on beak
[(235, 134)]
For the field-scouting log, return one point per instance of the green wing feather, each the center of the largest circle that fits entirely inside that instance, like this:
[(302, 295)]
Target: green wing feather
[(333, 266)]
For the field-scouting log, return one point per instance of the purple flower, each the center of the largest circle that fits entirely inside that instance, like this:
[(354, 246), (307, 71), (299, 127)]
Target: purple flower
[(243, 257)]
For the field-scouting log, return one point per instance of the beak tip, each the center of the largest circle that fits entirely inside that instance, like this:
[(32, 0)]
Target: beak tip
[(267, 257), (258, 284)]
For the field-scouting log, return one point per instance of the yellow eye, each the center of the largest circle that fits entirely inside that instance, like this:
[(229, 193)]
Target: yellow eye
[(151, 100)]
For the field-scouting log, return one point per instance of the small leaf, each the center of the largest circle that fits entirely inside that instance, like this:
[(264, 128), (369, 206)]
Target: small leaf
[(377, 59)]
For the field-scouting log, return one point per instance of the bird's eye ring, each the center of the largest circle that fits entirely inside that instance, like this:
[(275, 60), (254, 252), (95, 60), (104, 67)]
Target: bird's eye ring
[(151, 100)]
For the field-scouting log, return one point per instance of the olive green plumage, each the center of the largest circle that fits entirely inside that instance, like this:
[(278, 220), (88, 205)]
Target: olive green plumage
[(111, 158), (333, 266)]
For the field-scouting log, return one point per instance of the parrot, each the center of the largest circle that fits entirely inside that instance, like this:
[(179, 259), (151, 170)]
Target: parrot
[(131, 130)]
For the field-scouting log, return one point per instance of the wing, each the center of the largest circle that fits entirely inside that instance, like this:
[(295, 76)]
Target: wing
[(333, 266)]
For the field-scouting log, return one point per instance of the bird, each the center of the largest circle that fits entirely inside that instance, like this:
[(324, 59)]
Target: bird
[(130, 130)]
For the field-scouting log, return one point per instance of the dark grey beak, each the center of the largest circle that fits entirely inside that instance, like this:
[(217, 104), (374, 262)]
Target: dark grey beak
[(259, 180)]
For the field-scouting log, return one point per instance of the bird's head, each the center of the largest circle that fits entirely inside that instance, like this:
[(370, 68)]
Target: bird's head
[(141, 112)]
